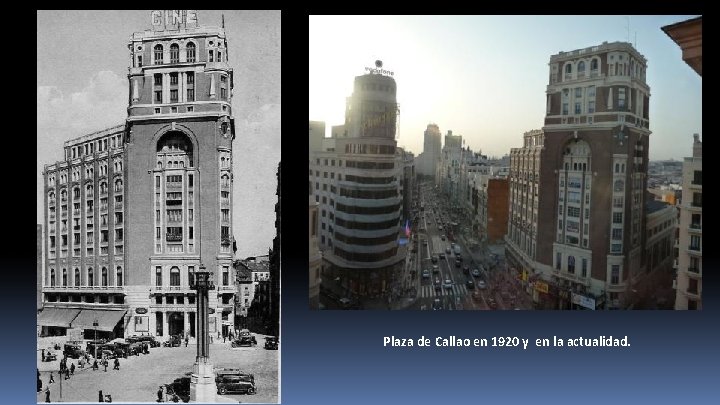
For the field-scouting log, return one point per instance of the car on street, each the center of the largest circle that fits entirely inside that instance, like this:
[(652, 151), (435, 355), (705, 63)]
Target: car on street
[(442, 237), (426, 273), (470, 284), (74, 351), (231, 383), (457, 263), (447, 250), (481, 284), (476, 273), (434, 259), (448, 283), (466, 269), (271, 342), (441, 255), (437, 281), (245, 341), (437, 304), (436, 269)]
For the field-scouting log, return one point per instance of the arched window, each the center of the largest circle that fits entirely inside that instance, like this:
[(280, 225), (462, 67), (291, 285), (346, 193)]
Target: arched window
[(89, 191), (103, 187), (76, 193), (190, 52), (64, 279), (158, 276), (52, 277), (119, 276), (63, 195), (51, 197), (174, 53), (619, 185), (568, 68), (77, 277), (118, 186), (104, 276), (175, 276), (225, 180), (581, 68), (593, 64), (158, 54), (90, 278)]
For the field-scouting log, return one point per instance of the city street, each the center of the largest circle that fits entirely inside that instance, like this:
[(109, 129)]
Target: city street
[(140, 376), (451, 285)]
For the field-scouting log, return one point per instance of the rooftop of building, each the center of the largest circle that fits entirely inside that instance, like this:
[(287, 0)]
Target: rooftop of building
[(604, 47), (655, 206), (253, 264), (95, 135), (182, 32)]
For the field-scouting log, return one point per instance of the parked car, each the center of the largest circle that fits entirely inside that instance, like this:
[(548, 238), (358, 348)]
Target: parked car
[(234, 383), (180, 387), (271, 342), (173, 341), (74, 351), (50, 356), (243, 341)]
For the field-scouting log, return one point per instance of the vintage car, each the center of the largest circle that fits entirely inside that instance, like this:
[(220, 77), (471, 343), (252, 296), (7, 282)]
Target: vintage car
[(244, 341), (74, 351), (180, 387), (148, 339), (173, 341), (50, 356), (234, 382), (271, 342)]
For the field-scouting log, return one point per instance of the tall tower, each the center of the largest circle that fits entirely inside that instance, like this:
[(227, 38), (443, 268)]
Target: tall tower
[(431, 149), (357, 183), (178, 165), (590, 240)]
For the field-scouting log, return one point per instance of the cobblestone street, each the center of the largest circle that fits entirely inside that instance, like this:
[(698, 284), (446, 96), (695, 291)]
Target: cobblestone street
[(140, 376)]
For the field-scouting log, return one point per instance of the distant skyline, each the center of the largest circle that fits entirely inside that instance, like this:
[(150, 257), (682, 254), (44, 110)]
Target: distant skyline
[(82, 87), (484, 77)]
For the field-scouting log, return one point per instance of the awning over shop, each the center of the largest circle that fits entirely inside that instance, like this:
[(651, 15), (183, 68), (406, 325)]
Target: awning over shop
[(57, 317), (106, 319)]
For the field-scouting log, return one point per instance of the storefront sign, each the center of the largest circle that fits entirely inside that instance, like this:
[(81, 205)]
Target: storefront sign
[(141, 310), (541, 287), (162, 19), (583, 301)]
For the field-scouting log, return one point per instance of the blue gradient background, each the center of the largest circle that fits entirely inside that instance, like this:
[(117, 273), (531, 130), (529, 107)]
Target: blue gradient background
[(337, 357)]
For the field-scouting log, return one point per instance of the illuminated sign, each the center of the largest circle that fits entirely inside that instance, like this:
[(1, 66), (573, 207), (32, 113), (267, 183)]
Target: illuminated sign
[(541, 287), (378, 70), (583, 301), (162, 19)]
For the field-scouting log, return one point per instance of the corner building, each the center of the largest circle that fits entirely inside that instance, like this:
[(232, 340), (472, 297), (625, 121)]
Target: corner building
[(592, 178), (167, 174), (356, 179)]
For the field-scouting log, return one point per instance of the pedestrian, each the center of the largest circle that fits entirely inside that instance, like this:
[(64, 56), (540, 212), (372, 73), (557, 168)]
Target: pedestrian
[(160, 394), (101, 397), (224, 336), (52, 378), (186, 341), (105, 363), (47, 394), (95, 365), (67, 374), (72, 368), (117, 365)]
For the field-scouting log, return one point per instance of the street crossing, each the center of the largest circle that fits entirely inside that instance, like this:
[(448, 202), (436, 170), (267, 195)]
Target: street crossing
[(428, 291)]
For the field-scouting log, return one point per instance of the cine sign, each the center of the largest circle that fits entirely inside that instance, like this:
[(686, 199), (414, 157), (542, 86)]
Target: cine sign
[(173, 18)]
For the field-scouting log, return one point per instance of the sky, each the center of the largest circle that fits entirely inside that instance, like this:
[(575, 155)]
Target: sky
[(82, 66), (484, 77)]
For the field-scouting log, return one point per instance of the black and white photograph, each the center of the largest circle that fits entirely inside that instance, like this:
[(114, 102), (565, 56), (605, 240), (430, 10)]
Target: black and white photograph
[(158, 187)]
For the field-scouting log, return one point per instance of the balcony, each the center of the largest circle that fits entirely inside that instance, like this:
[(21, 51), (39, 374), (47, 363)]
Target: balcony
[(118, 205), (695, 228), (692, 292), (173, 238), (695, 250)]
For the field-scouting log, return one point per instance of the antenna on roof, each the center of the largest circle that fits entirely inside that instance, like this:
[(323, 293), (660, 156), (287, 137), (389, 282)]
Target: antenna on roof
[(628, 28), (223, 21)]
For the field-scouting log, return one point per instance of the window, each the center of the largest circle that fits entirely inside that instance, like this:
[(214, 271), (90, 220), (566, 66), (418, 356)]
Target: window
[(118, 235), (617, 233), (52, 277), (565, 109), (190, 109), (558, 260), (191, 275), (591, 108), (621, 97), (158, 99), (593, 64), (119, 276), (104, 276), (158, 276), (190, 96), (581, 68), (90, 281), (225, 232), (175, 276), (578, 109), (174, 53), (190, 77), (584, 267), (225, 214), (104, 236), (174, 96), (574, 212), (225, 180), (617, 218), (571, 264), (568, 68), (210, 58), (174, 78), (158, 79), (223, 93), (190, 51), (578, 92), (694, 242), (157, 110), (223, 79), (619, 185), (615, 274), (225, 275), (158, 54)]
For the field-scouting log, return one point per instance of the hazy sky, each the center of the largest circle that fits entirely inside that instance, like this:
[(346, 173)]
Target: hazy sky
[(484, 77), (82, 66)]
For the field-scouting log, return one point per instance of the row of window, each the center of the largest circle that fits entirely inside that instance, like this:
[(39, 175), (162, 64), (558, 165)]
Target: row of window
[(365, 257), (89, 148), (175, 276), (89, 279), (158, 54)]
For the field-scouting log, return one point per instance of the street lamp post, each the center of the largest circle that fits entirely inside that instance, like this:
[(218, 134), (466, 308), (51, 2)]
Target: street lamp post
[(202, 385), (95, 325)]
